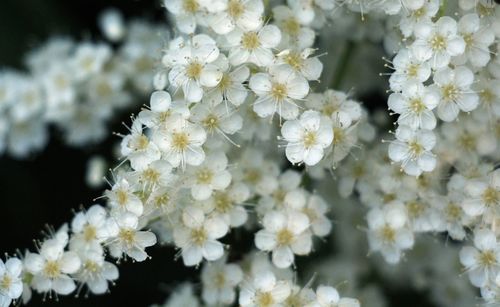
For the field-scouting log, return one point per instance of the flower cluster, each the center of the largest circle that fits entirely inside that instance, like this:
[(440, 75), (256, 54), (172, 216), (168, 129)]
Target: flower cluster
[(202, 159), (77, 87)]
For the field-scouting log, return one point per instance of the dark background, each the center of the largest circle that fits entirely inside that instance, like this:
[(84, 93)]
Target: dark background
[(47, 187)]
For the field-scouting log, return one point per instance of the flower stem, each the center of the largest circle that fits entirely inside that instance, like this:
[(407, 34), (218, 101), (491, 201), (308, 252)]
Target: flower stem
[(343, 64)]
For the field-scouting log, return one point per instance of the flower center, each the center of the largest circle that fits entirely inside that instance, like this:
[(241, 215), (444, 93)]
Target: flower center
[(91, 266), (412, 70), (467, 141), (294, 60), (204, 176), (6, 282), (468, 39), (309, 139), (339, 135), (291, 26), (140, 142), (89, 233), (223, 202), (150, 175), (161, 200), (190, 6), (220, 280), (264, 299), (490, 196), (180, 141), (198, 236), (453, 212), (225, 82), (253, 175), (193, 70), (235, 9), (284, 237), (416, 148), (211, 122), (417, 105), (415, 208), (121, 197), (250, 41), (438, 43), (388, 234), (127, 236), (52, 269), (487, 258), (486, 96), (278, 91)]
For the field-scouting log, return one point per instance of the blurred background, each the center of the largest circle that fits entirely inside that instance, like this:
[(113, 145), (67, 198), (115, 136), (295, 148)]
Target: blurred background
[(46, 188)]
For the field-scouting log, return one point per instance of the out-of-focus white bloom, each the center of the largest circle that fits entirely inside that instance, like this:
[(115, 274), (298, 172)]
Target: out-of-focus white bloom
[(192, 67), (264, 291), (482, 196), (253, 46), (414, 106), (209, 176), (453, 86), (243, 14), (413, 149), (278, 91), (197, 236), (388, 233), (219, 282), (126, 238), (327, 296), (285, 234), (438, 42), (11, 285), (481, 261), (112, 24)]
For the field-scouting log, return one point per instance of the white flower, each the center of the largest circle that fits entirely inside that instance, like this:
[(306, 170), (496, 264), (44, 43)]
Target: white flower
[(438, 42), (417, 14), (89, 228), (182, 143), (264, 291), (408, 68), (217, 120), (209, 176), (413, 149), (307, 137), (278, 92), (126, 238), (482, 261), (388, 232), (253, 46), (186, 12), (52, 266), (95, 272), (230, 88), (228, 205), (477, 41), (327, 296), (285, 234), (11, 285), (243, 14), (197, 236), (112, 25), (414, 106), (122, 198), (156, 174), (89, 59), (482, 197), (192, 68), (294, 31), (453, 85), (138, 148), (308, 67), (219, 282), (316, 210), (335, 105)]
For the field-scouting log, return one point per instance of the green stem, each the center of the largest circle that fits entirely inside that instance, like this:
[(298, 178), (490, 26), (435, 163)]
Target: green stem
[(442, 8), (343, 64)]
